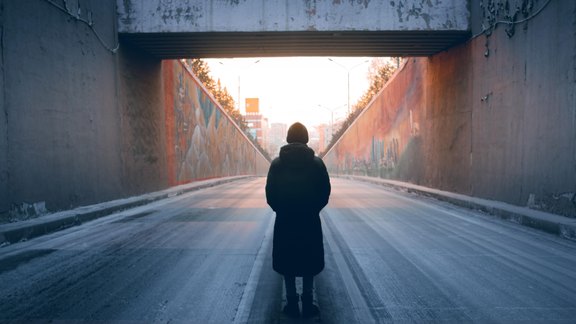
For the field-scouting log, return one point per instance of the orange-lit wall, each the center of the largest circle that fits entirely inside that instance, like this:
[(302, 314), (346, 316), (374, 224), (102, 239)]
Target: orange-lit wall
[(494, 117), (202, 140)]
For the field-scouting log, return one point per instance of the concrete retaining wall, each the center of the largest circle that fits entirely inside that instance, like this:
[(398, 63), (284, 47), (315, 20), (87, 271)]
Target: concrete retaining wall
[(202, 141), (81, 123), (493, 118), (3, 128), (60, 99), (142, 118)]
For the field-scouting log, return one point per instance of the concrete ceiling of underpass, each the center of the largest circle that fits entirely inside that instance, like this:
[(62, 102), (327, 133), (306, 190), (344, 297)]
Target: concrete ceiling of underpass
[(269, 44)]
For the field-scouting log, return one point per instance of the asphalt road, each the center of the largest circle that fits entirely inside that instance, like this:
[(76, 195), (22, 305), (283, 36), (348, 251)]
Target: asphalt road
[(205, 257)]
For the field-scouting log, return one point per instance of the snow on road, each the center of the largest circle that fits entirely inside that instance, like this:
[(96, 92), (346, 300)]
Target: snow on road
[(205, 257)]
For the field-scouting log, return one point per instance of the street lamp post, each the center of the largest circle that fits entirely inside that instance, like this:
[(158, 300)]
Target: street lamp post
[(348, 77), (239, 80), (246, 67)]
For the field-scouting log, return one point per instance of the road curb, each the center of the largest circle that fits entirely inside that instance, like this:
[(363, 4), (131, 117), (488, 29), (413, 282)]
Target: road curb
[(561, 226), (25, 230)]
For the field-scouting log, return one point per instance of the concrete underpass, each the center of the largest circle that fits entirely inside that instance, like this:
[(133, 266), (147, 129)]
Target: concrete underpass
[(139, 199)]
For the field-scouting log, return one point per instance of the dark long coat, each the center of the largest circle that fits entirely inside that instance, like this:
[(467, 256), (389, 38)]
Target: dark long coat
[(297, 188)]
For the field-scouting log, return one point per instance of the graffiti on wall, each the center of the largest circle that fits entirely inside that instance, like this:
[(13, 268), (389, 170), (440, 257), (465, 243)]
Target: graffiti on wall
[(203, 141), (381, 159), (381, 141)]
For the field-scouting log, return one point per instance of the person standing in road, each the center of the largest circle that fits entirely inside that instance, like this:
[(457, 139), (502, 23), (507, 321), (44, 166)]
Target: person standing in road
[(297, 188)]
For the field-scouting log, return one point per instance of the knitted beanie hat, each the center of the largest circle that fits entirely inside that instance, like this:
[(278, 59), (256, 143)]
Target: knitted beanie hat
[(297, 133)]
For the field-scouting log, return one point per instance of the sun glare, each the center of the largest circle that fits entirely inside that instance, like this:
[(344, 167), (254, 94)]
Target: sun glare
[(312, 90)]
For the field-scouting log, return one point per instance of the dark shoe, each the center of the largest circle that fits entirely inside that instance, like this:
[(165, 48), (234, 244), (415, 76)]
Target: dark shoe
[(291, 309), (308, 308)]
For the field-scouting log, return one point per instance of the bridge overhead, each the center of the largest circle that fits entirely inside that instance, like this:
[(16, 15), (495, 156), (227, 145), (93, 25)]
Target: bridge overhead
[(241, 28)]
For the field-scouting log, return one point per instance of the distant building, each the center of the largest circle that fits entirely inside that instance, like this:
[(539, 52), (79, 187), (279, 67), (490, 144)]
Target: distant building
[(314, 139), (326, 132), (256, 122), (276, 138), (324, 137)]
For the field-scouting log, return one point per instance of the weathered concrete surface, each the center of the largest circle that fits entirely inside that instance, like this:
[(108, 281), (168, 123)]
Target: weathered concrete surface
[(286, 16), (141, 100), (494, 118), (3, 125), (80, 122), (61, 105), (204, 28)]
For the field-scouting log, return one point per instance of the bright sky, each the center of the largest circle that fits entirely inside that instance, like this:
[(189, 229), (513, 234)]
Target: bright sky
[(294, 89)]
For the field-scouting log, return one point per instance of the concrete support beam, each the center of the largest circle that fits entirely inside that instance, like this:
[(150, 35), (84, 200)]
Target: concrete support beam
[(239, 28), (186, 16)]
